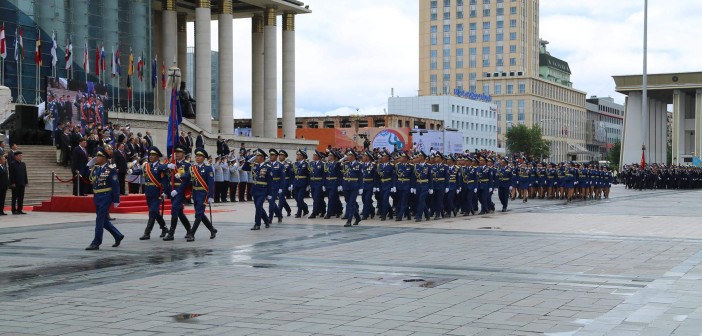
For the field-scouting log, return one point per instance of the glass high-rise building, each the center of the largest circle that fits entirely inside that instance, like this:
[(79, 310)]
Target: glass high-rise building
[(492, 47)]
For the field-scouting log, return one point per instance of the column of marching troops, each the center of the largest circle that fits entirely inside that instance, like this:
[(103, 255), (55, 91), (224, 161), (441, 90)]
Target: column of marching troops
[(404, 185), (660, 176)]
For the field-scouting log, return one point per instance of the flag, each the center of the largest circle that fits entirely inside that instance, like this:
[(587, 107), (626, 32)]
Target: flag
[(140, 66), (129, 88), (163, 76), (19, 45), (154, 73), (643, 158), (86, 63), (69, 53), (54, 59), (37, 49), (118, 67), (696, 161), (113, 68), (97, 60), (130, 65), (102, 58), (3, 44), (174, 120)]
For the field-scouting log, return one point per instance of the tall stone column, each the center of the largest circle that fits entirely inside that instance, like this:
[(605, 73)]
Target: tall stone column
[(226, 69), (203, 64), (183, 47), (289, 126), (169, 28), (633, 134), (678, 130), (698, 123), (257, 75), (270, 74)]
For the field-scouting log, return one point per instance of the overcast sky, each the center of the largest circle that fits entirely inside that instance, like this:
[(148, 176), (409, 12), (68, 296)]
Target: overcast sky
[(351, 53)]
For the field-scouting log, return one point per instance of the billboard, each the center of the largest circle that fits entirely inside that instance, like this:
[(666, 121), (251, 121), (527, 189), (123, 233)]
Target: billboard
[(379, 137), (80, 103), (442, 141)]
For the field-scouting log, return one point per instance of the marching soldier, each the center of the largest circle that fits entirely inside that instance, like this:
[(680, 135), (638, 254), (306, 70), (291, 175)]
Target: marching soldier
[(154, 173), (369, 173), (484, 177), (504, 176), (180, 166), (351, 186), (454, 176), (440, 185), (386, 183), (300, 184), (332, 184), (278, 176), (423, 185), (286, 185), (262, 187), (106, 193), (404, 173), (316, 168), (201, 178)]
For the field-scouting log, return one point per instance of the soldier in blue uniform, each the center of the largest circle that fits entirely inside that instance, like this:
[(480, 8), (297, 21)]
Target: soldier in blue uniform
[(262, 187), (286, 185), (106, 193), (278, 174), (484, 177), (423, 185), (469, 186), (332, 184), (454, 178), (386, 183), (201, 178), (504, 176), (316, 168), (351, 186), (370, 181), (439, 176), (571, 180), (300, 182), (178, 169), (155, 185), (404, 172), (495, 182)]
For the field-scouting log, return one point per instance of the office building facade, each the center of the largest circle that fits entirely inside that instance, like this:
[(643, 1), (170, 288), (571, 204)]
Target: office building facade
[(605, 120), (492, 47)]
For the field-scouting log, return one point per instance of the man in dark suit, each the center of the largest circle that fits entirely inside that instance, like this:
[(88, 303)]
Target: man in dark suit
[(149, 139), (200, 141), (79, 161), (190, 142), (120, 161), (65, 141), (183, 140), (18, 181), (4, 183)]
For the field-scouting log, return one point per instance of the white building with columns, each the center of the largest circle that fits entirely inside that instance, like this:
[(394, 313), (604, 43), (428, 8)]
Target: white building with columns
[(170, 37)]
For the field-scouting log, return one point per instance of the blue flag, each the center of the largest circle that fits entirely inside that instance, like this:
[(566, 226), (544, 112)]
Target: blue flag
[(696, 161), (154, 74), (174, 120)]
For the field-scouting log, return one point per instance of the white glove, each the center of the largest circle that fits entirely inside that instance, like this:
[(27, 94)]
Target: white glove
[(576, 182), (269, 197), (413, 191), (393, 189), (510, 188), (129, 172), (475, 190), (91, 162), (174, 193), (290, 188), (458, 190), (211, 200), (280, 191), (490, 190), (431, 191), (446, 190), (309, 188), (324, 188), (116, 205), (163, 195), (376, 189), (177, 176), (360, 191), (340, 188), (171, 166)]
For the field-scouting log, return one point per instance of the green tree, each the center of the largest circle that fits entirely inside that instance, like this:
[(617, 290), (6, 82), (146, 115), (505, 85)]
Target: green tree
[(614, 153), (527, 140)]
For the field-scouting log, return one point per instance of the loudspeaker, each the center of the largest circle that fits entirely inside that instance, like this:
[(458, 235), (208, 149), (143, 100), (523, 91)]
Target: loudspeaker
[(26, 117)]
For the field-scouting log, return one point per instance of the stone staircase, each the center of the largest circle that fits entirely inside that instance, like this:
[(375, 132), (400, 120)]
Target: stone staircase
[(40, 162)]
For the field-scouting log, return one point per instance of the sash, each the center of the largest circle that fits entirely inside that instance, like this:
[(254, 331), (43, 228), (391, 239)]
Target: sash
[(199, 178), (152, 177)]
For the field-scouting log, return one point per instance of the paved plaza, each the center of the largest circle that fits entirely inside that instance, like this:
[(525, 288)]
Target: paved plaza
[(629, 265)]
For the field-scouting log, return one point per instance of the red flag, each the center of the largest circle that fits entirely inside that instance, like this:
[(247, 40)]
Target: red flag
[(643, 159), (97, 60), (163, 76)]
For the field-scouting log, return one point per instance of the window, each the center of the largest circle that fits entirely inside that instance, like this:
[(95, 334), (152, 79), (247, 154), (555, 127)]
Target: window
[(522, 87), (500, 24), (520, 107), (486, 25), (513, 23), (500, 11), (433, 35), (472, 75), (447, 15), (433, 3), (512, 36), (486, 62), (447, 3), (498, 88), (435, 107), (486, 88), (512, 48), (508, 111), (500, 37), (510, 89), (447, 38), (512, 61), (486, 12), (513, 10), (486, 37), (499, 50)]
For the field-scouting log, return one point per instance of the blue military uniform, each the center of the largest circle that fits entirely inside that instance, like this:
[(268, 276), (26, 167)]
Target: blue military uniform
[(470, 186), (454, 178), (423, 182), (440, 177), (106, 192), (300, 183), (201, 178), (370, 181), (155, 188), (386, 183), (351, 184), (286, 183), (404, 173), (504, 184), (316, 169), (484, 177), (262, 189), (332, 182), (178, 201), (277, 184)]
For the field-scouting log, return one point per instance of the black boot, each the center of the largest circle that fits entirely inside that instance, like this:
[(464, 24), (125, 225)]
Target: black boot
[(171, 231), (186, 225), (149, 227), (348, 223), (208, 225), (194, 229), (162, 225)]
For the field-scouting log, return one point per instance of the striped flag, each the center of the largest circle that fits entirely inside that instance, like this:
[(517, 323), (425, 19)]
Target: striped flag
[(54, 59), (37, 49), (97, 60), (118, 66), (3, 43), (69, 53), (103, 61), (86, 62), (19, 45), (140, 66)]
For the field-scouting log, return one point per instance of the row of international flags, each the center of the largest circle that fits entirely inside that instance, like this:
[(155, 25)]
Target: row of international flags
[(100, 58)]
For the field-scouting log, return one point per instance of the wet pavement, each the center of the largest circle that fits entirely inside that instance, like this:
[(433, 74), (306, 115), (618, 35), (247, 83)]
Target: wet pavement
[(630, 265)]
